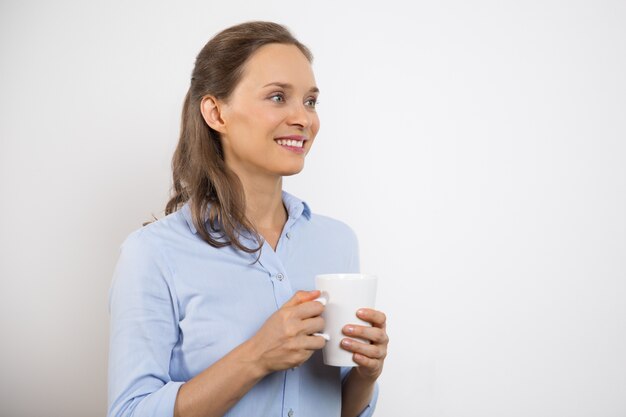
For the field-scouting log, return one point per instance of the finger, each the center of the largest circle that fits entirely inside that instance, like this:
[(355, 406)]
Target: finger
[(302, 297), (377, 318), (314, 342), (371, 351), (308, 309), (312, 325), (365, 361), (373, 334)]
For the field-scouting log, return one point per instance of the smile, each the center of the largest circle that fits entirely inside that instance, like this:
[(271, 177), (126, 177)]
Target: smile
[(290, 142)]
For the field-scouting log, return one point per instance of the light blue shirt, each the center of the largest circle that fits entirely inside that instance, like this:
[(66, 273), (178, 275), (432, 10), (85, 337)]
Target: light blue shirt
[(178, 305)]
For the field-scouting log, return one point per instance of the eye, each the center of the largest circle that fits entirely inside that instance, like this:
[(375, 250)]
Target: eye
[(277, 97), (312, 102)]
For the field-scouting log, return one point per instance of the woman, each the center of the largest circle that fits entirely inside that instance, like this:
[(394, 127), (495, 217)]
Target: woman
[(206, 319)]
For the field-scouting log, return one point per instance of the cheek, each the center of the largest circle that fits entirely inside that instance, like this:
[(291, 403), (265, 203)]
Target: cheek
[(247, 128), (315, 125), (263, 122)]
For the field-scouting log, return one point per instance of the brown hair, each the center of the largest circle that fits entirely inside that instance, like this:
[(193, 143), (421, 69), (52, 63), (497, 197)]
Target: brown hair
[(200, 174)]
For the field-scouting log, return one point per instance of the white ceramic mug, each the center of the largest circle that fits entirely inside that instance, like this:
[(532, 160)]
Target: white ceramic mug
[(343, 295)]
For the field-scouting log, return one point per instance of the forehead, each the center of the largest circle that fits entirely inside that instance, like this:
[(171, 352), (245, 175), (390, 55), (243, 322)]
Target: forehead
[(277, 62)]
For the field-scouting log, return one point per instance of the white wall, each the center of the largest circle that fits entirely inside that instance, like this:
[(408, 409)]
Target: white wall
[(478, 149)]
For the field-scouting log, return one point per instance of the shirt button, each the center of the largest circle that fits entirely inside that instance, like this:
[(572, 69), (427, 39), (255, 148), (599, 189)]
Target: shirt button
[(288, 235), (290, 413), (280, 277)]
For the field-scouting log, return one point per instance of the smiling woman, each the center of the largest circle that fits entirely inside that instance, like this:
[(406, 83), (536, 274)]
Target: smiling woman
[(213, 311), (243, 84), (259, 115)]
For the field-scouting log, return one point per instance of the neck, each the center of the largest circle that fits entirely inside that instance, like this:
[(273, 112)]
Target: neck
[(264, 201)]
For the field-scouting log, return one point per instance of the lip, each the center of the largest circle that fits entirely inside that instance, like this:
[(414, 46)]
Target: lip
[(293, 137), (294, 149)]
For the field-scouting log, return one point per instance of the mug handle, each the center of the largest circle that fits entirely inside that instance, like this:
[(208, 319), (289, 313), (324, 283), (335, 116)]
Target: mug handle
[(323, 298), (324, 335)]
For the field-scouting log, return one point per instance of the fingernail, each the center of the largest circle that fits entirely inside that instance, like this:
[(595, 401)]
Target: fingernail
[(360, 312), (349, 329), (346, 342)]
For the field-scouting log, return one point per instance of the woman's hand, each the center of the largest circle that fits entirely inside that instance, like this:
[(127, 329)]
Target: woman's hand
[(285, 340), (369, 356)]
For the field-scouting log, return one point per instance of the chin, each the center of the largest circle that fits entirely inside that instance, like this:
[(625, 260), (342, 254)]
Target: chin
[(293, 170)]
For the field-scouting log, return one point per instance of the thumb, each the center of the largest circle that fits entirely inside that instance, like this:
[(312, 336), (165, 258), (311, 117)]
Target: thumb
[(302, 297)]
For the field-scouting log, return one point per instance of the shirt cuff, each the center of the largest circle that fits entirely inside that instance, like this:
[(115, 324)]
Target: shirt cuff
[(159, 403)]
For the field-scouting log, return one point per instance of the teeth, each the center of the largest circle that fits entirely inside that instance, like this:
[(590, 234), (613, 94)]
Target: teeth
[(290, 142)]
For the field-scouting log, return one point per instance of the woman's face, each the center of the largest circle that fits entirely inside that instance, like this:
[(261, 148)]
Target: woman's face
[(275, 98)]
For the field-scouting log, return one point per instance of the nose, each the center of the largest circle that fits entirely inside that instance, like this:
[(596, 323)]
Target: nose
[(301, 116)]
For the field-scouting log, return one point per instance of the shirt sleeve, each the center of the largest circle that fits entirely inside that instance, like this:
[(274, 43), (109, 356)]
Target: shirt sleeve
[(144, 330), (368, 411), (354, 266)]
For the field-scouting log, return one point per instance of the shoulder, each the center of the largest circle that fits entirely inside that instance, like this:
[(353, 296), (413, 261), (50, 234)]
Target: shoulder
[(144, 273), (337, 228), (156, 234), (145, 248), (333, 233), (320, 227), (335, 241)]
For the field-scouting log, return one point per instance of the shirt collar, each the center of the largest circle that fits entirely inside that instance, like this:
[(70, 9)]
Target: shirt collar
[(295, 208), (186, 212)]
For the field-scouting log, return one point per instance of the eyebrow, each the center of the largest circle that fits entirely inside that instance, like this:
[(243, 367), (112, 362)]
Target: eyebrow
[(288, 86)]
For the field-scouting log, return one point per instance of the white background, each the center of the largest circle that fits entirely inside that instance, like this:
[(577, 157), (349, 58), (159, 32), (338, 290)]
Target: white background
[(477, 149)]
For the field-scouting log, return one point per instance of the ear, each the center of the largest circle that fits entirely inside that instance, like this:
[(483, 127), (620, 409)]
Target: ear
[(211, 110)]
